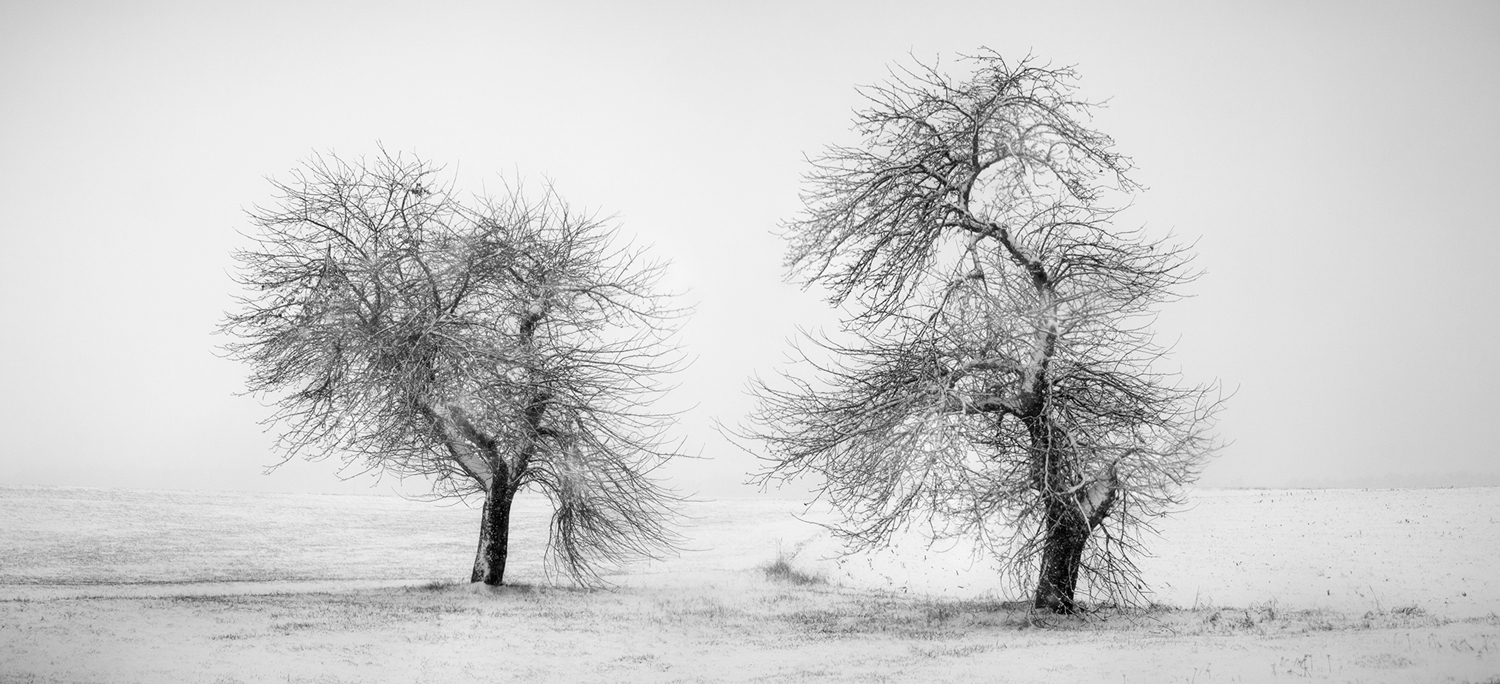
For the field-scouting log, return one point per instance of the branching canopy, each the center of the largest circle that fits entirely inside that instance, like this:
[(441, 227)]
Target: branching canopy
[(509, 338), (996, 377)]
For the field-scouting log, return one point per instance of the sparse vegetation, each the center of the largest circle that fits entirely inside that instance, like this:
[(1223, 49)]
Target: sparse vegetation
[(684, 619), (686, 631), (781, 570)]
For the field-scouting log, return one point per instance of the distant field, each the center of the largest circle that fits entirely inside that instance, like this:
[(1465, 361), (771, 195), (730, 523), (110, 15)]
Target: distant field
[(117, 585)]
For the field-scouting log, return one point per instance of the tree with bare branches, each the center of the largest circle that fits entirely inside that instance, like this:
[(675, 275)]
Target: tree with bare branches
[(492, 347), (995, 376)]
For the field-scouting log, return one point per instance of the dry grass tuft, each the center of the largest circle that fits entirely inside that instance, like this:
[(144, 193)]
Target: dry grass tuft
[(781, 570)]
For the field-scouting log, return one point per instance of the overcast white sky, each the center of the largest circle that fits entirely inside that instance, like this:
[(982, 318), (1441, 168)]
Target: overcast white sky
[(1336, 163)]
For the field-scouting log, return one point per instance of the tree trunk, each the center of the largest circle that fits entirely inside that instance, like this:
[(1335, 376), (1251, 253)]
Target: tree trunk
[(1072, 508), (494, 526), (494, 534), (1062, 553)]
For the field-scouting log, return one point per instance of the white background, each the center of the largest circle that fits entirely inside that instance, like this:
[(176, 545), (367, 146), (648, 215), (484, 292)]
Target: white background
[(1335, 163)]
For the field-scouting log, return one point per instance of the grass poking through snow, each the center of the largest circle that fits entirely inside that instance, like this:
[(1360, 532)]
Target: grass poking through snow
[(771, 624), (781, 570)]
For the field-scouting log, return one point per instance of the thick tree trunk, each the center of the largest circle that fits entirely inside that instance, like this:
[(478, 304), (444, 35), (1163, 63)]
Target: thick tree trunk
[(1062, 553), (494, 534), (1072, 508)]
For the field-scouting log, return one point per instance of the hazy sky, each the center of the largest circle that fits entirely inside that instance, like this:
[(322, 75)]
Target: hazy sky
[(1336, 164)]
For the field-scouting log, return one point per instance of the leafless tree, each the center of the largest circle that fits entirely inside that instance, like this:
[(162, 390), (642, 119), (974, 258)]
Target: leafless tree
[(995, 376), (492, 347)]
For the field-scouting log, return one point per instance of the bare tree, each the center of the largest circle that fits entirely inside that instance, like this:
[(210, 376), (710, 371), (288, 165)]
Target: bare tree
[(493, 347), (995, 376)]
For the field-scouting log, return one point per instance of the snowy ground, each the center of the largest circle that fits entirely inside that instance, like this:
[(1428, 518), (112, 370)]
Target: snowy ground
[(1333, 585)]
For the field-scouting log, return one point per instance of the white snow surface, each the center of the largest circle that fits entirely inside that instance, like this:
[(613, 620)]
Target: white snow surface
[(1346, 550)]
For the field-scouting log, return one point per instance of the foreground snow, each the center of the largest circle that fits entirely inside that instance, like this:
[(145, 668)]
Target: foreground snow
[(128, 586), (707, 627)]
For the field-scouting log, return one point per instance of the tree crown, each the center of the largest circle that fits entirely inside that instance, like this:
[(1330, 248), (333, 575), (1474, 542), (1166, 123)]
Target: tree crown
[(513, 338)]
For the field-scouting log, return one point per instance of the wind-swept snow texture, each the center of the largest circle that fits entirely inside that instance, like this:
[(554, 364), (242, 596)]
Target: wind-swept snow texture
[(1345, 550), (144, 587)]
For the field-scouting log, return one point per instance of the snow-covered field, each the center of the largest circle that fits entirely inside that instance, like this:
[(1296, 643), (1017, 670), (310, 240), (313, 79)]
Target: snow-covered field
[(119, 585)]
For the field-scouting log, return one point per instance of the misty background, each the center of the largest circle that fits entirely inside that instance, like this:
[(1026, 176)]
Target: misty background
[(1335, 164)]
